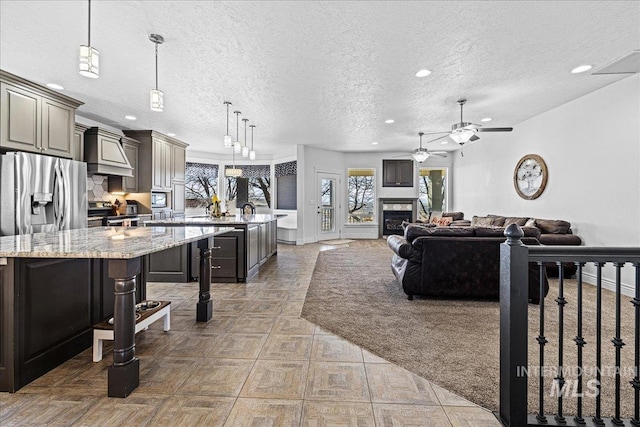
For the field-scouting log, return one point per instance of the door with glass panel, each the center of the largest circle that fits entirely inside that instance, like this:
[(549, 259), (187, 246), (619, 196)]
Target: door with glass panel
[(327, 201)]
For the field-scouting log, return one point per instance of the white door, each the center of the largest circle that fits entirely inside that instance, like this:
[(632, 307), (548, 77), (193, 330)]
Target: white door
[(328, 205)]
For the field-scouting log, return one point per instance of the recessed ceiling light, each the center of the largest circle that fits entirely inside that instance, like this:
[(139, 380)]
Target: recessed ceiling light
[(486, 119), (374, 143), (581, 69), (389, 121), (55, 86), (131, 117), (171, 134), (423, 73)]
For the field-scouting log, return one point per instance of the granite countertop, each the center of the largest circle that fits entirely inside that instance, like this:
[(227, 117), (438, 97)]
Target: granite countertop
[(103, 242), (224, 220)]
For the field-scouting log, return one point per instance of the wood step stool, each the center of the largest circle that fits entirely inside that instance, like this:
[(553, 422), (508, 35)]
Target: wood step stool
[(104, 330)]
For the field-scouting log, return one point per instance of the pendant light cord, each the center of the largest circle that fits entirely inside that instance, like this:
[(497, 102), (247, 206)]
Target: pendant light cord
[(89, 41), (156, 43), (252, 127)]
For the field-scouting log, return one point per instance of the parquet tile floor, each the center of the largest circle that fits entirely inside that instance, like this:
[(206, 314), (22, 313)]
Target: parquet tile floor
[(256, 363)]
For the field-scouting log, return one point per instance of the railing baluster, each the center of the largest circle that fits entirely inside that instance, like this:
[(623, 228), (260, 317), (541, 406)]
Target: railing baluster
[(618, 344), (636, 381), (580, 342), (561, 303), (598, 417), (542, 341)]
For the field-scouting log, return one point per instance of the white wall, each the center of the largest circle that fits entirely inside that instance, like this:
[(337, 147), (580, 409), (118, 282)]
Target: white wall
[(592, 150)]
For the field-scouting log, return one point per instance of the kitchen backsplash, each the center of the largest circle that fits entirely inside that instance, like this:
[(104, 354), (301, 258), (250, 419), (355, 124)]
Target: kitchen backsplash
[(97, 189)]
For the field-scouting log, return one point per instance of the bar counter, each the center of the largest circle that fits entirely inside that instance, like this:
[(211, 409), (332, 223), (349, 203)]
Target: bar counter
[(49, 290)]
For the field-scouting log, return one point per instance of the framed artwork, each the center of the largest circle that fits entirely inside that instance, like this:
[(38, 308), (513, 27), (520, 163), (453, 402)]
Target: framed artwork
[(530, 176)]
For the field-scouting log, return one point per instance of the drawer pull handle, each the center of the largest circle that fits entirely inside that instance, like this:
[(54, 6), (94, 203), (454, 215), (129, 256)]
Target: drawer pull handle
[(216, 267), (216, 247)]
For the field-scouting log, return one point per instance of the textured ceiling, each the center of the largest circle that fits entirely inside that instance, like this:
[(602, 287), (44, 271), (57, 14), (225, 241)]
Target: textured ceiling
[(319, 73)]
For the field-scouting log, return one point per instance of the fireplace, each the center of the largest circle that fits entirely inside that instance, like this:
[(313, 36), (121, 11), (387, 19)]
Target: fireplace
[(393, 212)]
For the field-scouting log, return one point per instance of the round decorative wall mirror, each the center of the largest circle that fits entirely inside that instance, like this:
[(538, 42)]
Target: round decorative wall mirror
[(530, 176)]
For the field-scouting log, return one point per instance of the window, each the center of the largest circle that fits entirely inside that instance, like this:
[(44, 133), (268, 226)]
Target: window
[(433, 191), (286, 185), (258, 185), (361, 190), (201, 183)]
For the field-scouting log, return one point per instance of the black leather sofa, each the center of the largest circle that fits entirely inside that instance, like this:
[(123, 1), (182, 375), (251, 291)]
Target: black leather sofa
[(456, 262)]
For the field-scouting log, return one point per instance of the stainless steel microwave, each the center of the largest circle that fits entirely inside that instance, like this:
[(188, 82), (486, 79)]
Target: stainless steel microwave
[(158, 200)]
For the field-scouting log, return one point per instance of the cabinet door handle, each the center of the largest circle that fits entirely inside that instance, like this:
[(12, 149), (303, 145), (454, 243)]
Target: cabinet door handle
[(216, 267), (216, 247)]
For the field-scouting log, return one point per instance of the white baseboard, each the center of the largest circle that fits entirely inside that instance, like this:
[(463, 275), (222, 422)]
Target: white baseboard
[(625, 288)]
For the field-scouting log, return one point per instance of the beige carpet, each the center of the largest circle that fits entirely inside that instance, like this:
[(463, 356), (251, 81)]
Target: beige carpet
[(454, 343)]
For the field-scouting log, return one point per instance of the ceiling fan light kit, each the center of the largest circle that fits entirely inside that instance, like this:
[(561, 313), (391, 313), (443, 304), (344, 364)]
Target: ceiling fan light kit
[(156, 96), (89, 58)]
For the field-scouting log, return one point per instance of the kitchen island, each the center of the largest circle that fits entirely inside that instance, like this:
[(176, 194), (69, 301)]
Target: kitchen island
[(42, 272), (236, 257)]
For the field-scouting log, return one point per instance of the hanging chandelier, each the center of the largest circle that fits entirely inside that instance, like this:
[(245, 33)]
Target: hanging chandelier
[(89, 61), (252, 153), (156, 97), (234, 172), (228, 143), (245, 149)]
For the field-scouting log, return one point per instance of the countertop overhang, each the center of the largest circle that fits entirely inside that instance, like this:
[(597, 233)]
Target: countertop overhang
[(205, 220), (104, 242)]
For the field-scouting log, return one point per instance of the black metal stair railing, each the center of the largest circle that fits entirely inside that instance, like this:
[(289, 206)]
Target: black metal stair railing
[(514, 373)]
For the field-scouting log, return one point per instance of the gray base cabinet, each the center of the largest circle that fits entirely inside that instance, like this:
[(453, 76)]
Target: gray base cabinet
[(48, 308), (171, 265)]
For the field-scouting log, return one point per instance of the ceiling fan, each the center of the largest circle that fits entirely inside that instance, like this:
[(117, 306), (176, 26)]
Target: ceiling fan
[(422, 154), (464, 132)]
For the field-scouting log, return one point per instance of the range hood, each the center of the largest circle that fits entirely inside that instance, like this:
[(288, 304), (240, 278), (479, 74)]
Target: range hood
[(104, 154)]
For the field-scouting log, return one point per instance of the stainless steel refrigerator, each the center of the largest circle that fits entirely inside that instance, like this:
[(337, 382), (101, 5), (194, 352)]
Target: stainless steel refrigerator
[(41, 194)]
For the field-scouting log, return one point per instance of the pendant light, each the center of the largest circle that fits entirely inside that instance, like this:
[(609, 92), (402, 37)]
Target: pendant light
[(252, 154), (227, 138), (156, 97), (233, 171), (89, 63), (237, 145), (245, 149)]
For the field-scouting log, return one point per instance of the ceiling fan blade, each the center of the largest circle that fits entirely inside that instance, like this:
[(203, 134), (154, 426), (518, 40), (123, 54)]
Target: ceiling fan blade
[(494, 129), (439, 138), (442, 154), (438, 153), (436, 133), (402, 155)]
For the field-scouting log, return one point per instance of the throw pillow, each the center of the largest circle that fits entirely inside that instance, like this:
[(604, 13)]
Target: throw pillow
[(498, 220), (434, 220), (553, 226), (514, 220), (530, 223), (481, 221), (445, 221), (456, 216)]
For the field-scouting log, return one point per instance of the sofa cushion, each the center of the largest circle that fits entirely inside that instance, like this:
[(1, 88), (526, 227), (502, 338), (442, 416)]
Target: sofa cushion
[(461, 223), (497, 220), (553, 226), (413, 231), (514, 220), (560, 239), (494, 231), (455, 216), (481, 221)]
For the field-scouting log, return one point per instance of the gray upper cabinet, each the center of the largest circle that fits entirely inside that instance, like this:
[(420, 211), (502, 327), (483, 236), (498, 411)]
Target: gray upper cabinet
[(36, 119), (159, 158), (131, 148), (78, 142), (397, 173)]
